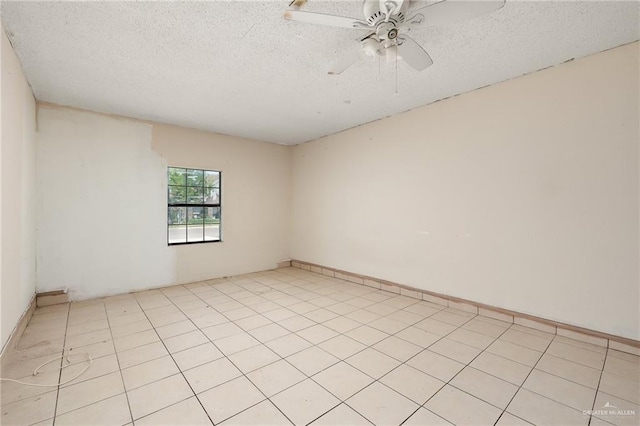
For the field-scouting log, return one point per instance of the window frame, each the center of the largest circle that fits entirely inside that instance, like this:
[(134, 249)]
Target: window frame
[(186, 205)]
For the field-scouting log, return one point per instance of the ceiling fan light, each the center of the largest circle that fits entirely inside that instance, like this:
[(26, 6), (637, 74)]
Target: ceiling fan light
[(370, 47)]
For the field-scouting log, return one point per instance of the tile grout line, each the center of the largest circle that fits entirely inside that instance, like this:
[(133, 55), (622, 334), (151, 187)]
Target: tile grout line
[(126, 395), (595, 397), (64, 343)]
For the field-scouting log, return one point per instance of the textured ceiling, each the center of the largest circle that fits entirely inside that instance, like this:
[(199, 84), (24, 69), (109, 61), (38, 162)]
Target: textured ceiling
[(239, 68)]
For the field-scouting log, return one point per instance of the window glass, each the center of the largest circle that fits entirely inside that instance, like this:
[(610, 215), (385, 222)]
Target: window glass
[(211, 223), (194, 205), (177, 232)]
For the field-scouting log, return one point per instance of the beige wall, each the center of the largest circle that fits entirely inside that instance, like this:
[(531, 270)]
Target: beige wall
[(522, 195), (18, 202), (102, 185), (256, 201)]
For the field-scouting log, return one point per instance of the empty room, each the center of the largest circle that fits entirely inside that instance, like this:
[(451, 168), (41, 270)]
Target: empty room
[(379, 212)]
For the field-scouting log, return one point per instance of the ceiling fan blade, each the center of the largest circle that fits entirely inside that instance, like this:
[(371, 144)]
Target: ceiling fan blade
[(347, 59), (324, 19), (451, 11), (414, 55)]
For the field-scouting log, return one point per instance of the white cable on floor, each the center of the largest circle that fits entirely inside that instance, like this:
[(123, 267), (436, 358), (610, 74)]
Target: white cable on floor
[(37, 371)]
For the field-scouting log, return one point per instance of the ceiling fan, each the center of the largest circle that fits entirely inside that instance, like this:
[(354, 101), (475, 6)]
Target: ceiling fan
[(388, 22)]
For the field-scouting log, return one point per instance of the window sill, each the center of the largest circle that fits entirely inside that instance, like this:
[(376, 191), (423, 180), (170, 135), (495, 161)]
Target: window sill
[(194, 242)]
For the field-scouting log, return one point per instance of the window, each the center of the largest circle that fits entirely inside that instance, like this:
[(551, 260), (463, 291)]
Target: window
[(194, 209)]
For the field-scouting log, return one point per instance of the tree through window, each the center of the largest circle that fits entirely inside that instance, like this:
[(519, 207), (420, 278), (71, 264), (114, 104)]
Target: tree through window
[(194, 209)]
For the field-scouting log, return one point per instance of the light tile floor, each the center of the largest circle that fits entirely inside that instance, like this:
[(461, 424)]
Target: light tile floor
[(291, 346)]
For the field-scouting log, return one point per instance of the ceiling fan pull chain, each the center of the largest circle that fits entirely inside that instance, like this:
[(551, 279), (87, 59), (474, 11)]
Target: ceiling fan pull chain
[(396, 61)]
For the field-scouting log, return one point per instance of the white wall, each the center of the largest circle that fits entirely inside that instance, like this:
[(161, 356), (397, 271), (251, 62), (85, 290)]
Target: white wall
[(523, 195), (101, 217), (102, 191), (18, 202)]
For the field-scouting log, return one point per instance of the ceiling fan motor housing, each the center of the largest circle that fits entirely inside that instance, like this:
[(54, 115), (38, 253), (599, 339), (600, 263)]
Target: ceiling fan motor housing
[(373, 13)]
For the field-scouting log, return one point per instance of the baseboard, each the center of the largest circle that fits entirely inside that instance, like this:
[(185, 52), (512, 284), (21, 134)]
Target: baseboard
[(571, 331), (284, 264), (13, 340), (49, 298)]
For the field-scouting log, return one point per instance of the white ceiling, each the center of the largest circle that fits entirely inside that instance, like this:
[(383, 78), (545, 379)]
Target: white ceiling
[(239, 68)]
